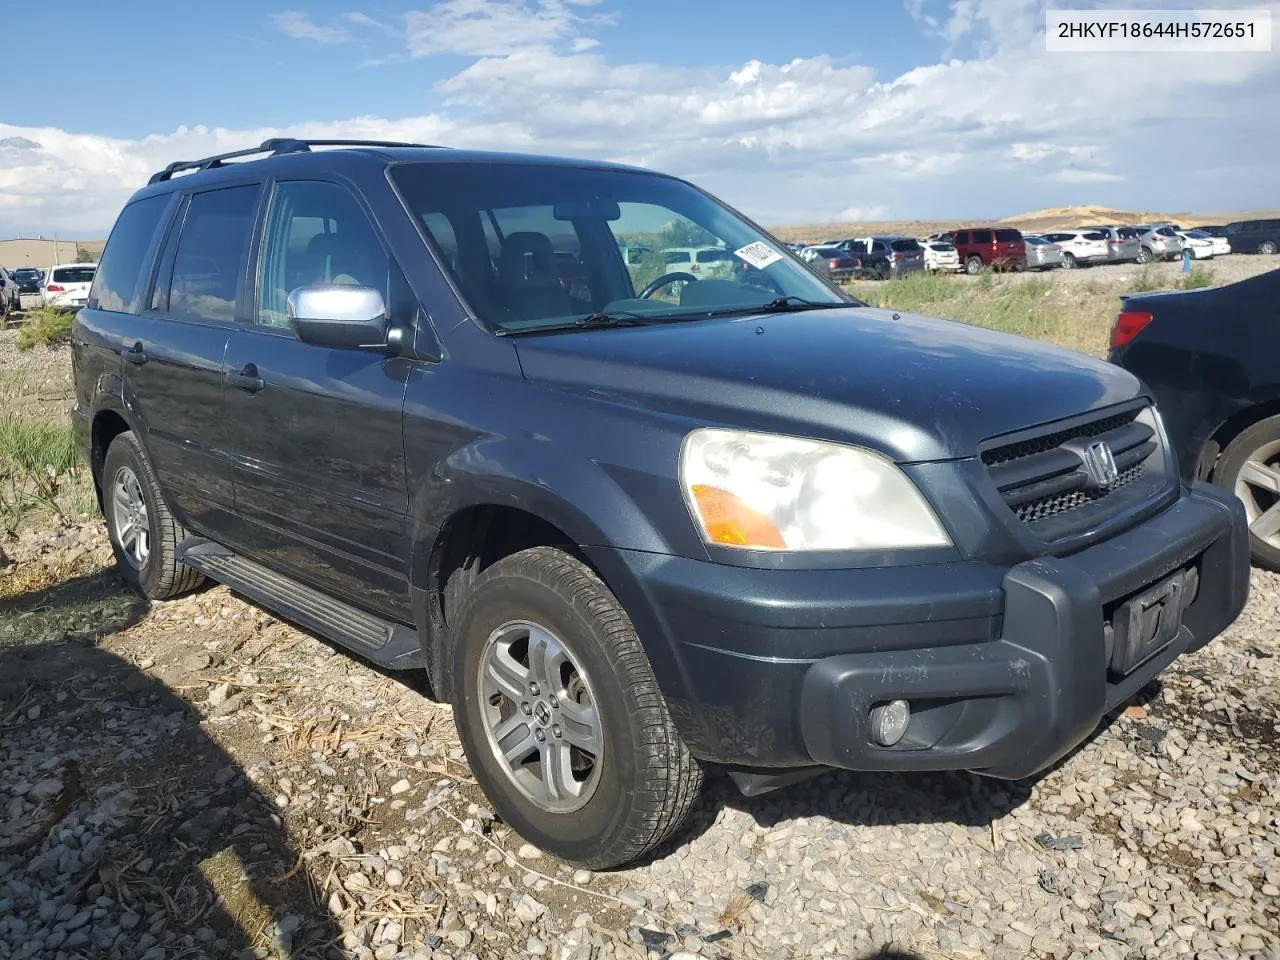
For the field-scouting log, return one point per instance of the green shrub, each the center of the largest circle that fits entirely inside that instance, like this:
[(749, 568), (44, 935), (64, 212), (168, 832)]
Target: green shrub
[(47, 326), (38, 463), (1145, 281), (1198, 278)]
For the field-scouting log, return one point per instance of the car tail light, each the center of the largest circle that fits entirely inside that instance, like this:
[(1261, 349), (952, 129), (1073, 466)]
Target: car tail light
[(833, 264), (693, 268), (899, 256), (56, 288), (1129, 323)]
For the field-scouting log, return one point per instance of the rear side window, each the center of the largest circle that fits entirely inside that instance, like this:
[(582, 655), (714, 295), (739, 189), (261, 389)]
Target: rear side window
[(1094, 235), (1128, 233), (982, 236), (211, 254), (1166, 232), (73, 275), (905, 246), (712, 256), (1008, 236), (676, 256), (119, 283)]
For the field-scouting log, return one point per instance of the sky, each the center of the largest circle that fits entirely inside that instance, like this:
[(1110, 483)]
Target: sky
[(792, 112)]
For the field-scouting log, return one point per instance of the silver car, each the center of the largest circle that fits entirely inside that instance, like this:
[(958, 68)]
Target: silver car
[(1042, 254), (1123, 243), (1159, 243)]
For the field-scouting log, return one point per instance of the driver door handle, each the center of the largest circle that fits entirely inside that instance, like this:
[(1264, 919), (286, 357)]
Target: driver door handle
[(247, 379), (135, 354)]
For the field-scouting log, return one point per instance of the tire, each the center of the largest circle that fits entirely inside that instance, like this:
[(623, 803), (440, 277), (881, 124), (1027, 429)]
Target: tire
[(1260, 444), (610, 806), (1020, 266), (1268, 247), (973, 266), (1144, 255), (129, 489), (1069, 261)]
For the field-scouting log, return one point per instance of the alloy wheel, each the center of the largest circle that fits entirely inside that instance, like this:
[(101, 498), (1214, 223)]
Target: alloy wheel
[(129, 518), (1258, 486), (540, 716)]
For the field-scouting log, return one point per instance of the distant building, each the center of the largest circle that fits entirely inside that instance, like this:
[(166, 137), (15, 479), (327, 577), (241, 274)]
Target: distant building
[(45, 253)]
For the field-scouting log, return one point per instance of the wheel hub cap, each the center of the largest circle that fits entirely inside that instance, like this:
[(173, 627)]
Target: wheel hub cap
[(130, 518), (540, 716), (1258, 487)]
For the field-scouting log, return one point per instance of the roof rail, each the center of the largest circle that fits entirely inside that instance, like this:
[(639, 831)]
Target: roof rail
[(275, 147)]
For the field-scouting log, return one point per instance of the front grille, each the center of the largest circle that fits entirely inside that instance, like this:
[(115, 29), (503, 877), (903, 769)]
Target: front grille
[(1046, 479)]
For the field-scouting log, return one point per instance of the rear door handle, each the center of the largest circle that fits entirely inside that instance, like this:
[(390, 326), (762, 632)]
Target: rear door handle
[(135, 354), (247, 379)]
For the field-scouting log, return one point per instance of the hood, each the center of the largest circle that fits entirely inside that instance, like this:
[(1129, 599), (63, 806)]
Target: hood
[(914, 388)]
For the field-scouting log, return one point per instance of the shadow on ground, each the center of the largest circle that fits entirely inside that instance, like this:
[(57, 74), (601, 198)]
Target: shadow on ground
[(125, 830)]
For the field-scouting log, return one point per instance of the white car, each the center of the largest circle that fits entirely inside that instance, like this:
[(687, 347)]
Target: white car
[(66, 285), (714, 263), (1203, 246), (940, 255), (1080, 247)]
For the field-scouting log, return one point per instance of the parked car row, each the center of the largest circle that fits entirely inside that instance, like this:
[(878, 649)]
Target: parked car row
[(64, 286), (974, 249)]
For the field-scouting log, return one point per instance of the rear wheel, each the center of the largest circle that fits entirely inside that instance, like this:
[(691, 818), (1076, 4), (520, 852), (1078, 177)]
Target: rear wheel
[(560, 715), (1250, 467), (144, 535), (1268, 247), (1069, 261), (1144, 255), (973, 266)]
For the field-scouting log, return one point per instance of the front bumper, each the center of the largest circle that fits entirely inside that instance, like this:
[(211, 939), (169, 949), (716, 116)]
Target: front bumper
[(1006, 668)]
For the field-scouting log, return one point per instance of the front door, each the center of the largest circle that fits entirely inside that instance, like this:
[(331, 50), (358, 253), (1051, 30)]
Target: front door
[(317, 448), (172, 353)]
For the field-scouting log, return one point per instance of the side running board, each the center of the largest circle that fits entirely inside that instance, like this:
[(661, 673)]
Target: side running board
[(389, 644)]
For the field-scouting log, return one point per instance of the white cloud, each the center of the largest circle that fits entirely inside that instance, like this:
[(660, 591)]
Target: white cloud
[(874, 211), (1003, 128), (490, 28), (298, 26)]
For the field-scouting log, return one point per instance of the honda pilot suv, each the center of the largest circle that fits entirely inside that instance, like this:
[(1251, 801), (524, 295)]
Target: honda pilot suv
[(640, 523)]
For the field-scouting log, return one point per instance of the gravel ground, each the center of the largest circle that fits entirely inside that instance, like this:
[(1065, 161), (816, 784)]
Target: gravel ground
[(197, 779)]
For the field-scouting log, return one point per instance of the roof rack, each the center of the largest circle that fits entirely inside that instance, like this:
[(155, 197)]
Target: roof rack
[(274, 147)]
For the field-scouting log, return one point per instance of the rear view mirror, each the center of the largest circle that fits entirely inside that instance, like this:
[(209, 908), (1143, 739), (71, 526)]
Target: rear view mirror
[(597, 208), (339, 315)]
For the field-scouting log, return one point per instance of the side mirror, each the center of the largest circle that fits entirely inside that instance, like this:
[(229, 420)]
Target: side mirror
[(340, 316)]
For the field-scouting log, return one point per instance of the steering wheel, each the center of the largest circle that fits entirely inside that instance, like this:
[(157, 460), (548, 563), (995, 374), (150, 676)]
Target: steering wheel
[(663, 280)]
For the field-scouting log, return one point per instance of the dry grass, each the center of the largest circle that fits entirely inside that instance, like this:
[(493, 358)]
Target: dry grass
[(1078, 316)]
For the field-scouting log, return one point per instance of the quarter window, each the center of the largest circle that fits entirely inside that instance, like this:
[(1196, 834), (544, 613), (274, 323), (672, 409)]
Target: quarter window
[(211, 254), (118, 285), (316, 234)]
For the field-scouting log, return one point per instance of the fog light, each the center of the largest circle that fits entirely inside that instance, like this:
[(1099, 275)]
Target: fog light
[(889, 722)]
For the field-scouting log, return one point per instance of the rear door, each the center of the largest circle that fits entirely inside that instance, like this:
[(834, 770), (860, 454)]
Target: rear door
[(173, 353), (317, 451), (1009, 245)]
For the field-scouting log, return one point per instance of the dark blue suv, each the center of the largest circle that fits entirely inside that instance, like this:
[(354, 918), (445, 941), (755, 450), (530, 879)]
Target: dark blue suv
[(456, 412)]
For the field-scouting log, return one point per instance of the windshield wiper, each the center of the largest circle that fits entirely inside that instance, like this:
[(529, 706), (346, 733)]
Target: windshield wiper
[(790, 304), (592, 321)]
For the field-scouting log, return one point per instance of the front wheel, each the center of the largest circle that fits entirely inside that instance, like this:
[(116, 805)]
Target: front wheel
[(1144, 255), (560, 715), (144, 535), (1268, 247), (1069, 261)]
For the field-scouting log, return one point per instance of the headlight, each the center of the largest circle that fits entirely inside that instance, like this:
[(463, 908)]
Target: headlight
[(760, 491)]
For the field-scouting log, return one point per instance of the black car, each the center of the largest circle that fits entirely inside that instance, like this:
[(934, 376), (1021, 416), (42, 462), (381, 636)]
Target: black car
[(641, 523), (28, 279), (1253, 236), (1212, 359), (868, 264)]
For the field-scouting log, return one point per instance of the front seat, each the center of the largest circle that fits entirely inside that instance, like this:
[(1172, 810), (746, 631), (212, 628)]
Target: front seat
[(528, 279)]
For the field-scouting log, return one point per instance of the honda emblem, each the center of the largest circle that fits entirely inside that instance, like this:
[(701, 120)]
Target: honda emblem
[(1100, 464)]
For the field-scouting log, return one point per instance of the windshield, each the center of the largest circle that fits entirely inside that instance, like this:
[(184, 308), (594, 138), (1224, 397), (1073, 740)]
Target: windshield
[(540, 246)]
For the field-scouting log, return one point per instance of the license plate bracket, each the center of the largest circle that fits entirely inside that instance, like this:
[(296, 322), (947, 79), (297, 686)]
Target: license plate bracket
[(1145, 624)]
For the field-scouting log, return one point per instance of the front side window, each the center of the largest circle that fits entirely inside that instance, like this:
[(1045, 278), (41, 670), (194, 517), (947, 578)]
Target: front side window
[(118, 283), (211, 253), (544, 246), (316, 234)]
